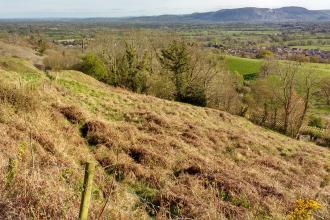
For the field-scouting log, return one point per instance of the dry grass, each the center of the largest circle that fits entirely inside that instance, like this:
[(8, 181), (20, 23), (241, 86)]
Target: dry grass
[(72, 114), (22, 99), (13, 50), (155, 158)]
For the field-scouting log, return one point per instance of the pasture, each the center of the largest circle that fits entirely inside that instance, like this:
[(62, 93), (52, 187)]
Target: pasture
[(252, 66)]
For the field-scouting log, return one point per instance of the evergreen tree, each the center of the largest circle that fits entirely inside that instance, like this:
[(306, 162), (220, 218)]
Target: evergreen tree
[(176, 60)]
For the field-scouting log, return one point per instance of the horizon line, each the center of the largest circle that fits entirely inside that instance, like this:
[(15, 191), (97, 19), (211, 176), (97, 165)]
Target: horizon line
[(138, 16)]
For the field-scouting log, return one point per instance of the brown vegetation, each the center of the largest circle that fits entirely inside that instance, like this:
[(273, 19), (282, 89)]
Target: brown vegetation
[(22, 99), (155, 158), (72, 113)]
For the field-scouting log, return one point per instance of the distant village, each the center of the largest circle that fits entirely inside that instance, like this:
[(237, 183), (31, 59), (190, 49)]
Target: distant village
[(69, 42), (284, 53)]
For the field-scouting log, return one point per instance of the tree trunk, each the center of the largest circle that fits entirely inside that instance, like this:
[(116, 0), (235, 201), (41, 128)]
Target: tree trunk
[(265, 116), (306, 105), (286, 121), (275, 119)]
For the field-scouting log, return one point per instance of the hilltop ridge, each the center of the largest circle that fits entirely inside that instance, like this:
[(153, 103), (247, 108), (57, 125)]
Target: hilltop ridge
[(242, 15)]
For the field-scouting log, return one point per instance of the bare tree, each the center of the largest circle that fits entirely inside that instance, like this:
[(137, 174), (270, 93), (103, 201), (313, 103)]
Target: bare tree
[(268, 67), (325, 89), (308, 86), (222, 93), (288, 79)]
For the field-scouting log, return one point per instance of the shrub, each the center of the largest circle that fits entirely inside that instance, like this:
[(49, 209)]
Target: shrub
[(161, 86), (60, 61), (324, 140), (304, 209), (250, 76), (194, 95), (312, 131), (327, 139), (176, 60), (315, 121), (42, 46), (94, 66), (264, 54), (131, 71)]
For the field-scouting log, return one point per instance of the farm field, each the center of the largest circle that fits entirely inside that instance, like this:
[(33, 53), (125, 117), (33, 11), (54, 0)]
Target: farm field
[(243, 65), (247, 66)]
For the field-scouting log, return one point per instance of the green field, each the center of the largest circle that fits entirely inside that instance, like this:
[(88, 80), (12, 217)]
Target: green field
[(247, 66), (243, 65)]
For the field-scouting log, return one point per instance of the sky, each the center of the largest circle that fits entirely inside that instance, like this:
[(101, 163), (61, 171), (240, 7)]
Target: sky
[(123, 8)]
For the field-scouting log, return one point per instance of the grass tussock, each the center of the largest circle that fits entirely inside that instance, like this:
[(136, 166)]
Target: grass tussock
[(72, 114), (22, 99), (43, 139), (98, 133)]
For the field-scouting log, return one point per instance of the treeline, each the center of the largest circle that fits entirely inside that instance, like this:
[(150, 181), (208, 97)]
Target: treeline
[(171, 68), (165, 67), (281, 97)]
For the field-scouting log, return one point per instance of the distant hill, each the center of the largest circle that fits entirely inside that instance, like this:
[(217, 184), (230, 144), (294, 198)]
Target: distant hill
[(251, 14)]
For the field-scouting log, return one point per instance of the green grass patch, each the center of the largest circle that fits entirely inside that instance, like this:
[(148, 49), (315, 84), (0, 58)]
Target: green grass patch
[(243, 65), (16, 65), (250, 67), (146, 195), (79, 88)]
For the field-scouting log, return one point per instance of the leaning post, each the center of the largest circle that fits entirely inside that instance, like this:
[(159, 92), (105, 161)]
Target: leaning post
[(87, 191)]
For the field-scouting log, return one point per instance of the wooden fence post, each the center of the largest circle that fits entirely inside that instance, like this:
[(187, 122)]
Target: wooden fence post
[(87, 191)]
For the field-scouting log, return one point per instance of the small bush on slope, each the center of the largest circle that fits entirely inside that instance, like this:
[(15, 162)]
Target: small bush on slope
[(56, 60), (94, 66), (315, 121)]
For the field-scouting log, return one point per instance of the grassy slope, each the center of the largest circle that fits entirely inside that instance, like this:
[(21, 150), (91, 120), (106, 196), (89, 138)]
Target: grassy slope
[(195, 162), (20, 51)]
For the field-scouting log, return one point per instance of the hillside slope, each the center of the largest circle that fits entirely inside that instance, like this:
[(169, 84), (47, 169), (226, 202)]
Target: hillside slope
[(155, 158), (26, 53)]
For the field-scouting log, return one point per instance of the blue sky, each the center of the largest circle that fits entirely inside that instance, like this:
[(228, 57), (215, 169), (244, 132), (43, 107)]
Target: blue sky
[(119, 8)]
